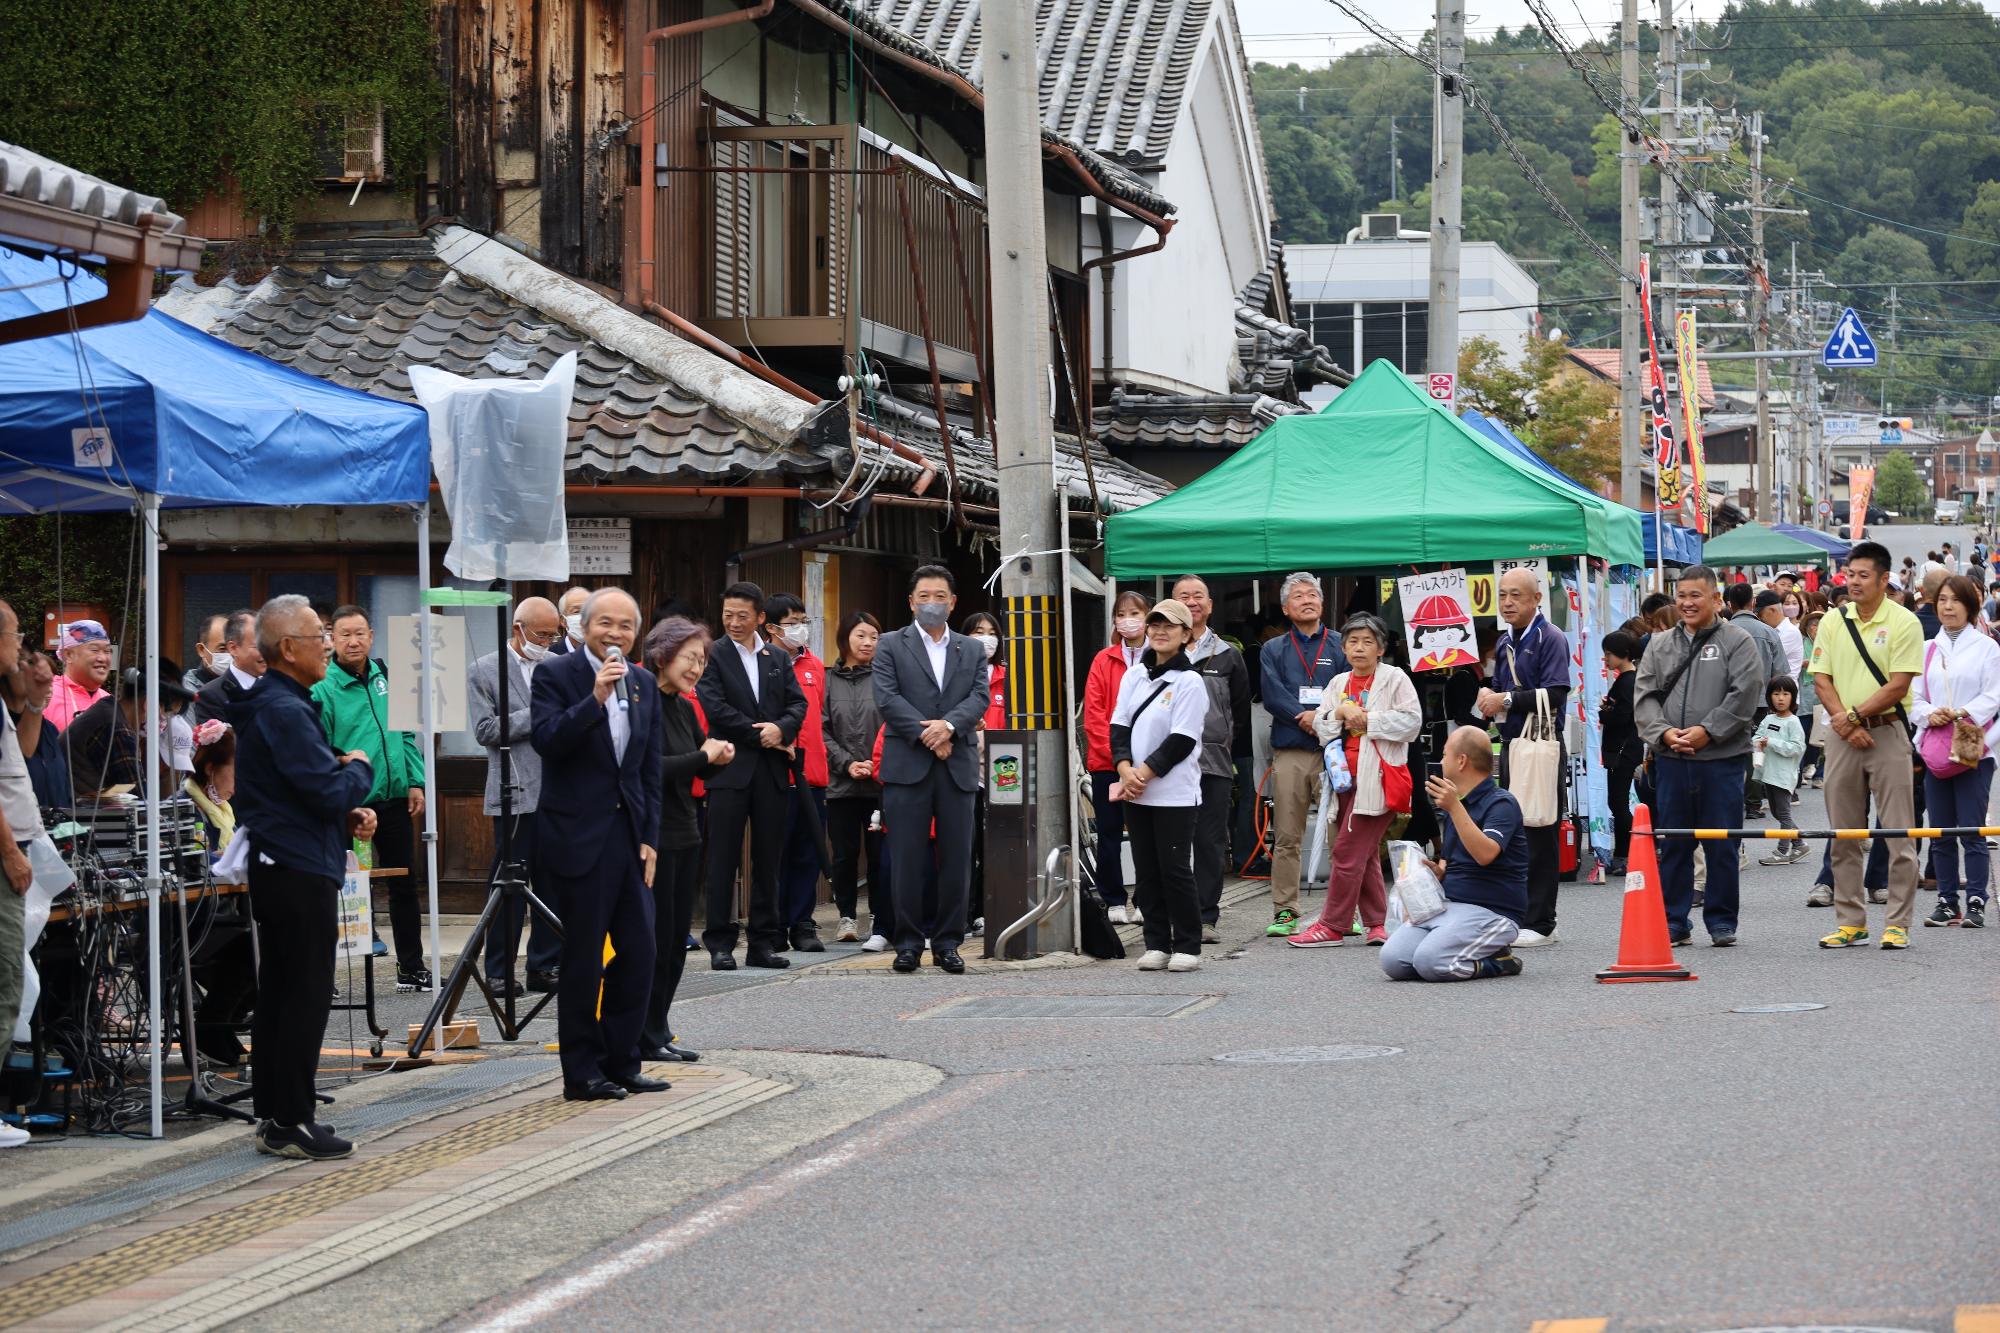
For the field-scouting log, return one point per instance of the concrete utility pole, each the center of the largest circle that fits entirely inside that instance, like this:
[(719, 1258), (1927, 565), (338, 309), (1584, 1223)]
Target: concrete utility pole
[(1631, 432), (1766, 479), (1395, 166), (1030, 501), (1668, 270), (1447, 182)]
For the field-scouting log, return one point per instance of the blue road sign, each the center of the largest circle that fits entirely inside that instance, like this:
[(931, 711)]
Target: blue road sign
[(1848, 347)]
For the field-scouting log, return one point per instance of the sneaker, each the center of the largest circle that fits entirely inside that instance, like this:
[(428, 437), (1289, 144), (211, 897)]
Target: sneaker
[(1211, 934), (1133, 916), (1318, 935), (379, 949), (1975, 914), (301, 1142), (12, 1136), (1726, 940), (1533, 939), (1378, 935), (876, 944), (419, 979), (1680, 941), (978, 927), (1878, 895), (1500, 965), (846, 932), (1284, 923), (1944, 914), (1184, 962), (1821, 896), (1895, 937), (1780, 856), (1119, 916), (1847, 937), (1618, 870), (1153, 960), (1799, 851)]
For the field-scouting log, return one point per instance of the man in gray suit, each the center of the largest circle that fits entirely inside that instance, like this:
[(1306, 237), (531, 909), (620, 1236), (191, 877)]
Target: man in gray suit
[(931, 690), (537, 626)]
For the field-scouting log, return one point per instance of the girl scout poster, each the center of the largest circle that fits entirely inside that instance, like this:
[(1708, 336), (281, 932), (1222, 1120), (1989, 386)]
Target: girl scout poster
[(1438, 626)]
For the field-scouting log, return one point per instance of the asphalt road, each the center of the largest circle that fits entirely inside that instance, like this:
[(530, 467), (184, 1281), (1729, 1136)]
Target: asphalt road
[(1534, 1148)]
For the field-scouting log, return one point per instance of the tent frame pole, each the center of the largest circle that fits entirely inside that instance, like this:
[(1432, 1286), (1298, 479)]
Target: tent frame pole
[(149, 522), (429, 742)]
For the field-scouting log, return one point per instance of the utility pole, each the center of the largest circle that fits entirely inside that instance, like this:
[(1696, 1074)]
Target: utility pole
[(1031, 504), (1666, 249), (1892, 351), (1395, 167), (1447, 180), (1766, 479), (1631, 452)]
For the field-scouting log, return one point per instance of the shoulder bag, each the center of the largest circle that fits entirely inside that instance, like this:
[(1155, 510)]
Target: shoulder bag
[(1534, 766), (1956, 747)]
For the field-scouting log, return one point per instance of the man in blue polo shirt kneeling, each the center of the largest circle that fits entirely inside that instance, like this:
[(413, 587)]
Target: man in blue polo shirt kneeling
[(1484, 872)]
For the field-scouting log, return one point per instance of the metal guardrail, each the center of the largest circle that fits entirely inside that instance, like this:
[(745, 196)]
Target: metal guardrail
[(1056, 890), (1833, 834)]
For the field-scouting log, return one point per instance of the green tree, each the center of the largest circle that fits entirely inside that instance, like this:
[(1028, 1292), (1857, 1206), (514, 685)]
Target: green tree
[(1312, 189), (1882, 254), (1568, 419), (1977, 259), (1899, 487)]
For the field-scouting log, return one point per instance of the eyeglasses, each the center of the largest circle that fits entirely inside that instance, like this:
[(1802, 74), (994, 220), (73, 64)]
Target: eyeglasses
[(324, 636), (541, 636), (18, 636)]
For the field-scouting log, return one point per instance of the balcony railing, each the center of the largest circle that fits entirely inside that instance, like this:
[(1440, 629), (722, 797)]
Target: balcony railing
[(829, 238)]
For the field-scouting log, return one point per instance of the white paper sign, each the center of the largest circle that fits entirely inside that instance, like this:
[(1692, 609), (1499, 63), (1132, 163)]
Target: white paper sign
[(600, 546), (449, 665), (1437, 620)]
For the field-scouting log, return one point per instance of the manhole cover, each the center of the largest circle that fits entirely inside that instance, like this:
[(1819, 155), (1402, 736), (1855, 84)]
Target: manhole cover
[(1069, 1006), (1776, 1009), (1306, 1055)]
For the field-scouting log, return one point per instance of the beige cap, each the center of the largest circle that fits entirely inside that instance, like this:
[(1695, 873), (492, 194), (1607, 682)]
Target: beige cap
[(1173, 612)]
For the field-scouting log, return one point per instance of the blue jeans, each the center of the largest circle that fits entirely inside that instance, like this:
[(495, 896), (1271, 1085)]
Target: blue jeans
[(1694, 793), (1959, 802)]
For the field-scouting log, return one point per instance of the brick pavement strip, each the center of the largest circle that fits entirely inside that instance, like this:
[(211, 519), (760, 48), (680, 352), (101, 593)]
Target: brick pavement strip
[(471, 1167)]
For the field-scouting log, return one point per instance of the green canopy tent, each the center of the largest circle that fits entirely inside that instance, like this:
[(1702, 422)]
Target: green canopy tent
[(1756, 544), (1384, 477)]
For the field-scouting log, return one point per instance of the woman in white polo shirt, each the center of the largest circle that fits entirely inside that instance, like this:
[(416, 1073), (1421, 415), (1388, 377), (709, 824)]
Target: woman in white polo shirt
[(1155, 742)]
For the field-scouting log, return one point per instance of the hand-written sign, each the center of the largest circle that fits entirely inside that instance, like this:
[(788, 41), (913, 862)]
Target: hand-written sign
[(449, 666), (600, 546), (1437, 620)]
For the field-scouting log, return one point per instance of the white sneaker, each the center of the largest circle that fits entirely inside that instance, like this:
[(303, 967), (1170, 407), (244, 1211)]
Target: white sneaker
[(13, 1137), (1184, 962), (1211, 935), (1132, 915), (1153, 960), (978, 927), (876, 944), (846, 932), (1533, 939), (1118, 915)]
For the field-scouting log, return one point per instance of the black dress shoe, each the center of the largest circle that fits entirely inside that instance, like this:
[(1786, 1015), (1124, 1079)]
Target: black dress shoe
[(906, 960), (807, 941), (502, 989), (640, 1083), (542, 983), (949, 960), (597, 1090), (765, 958), (718, 961), (678, 1052)]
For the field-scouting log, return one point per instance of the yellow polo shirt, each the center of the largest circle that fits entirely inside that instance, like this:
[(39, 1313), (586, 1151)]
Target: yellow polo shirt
[(1894, 638)]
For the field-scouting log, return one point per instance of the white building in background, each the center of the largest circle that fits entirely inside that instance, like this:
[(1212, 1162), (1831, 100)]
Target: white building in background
[(1369, 299)]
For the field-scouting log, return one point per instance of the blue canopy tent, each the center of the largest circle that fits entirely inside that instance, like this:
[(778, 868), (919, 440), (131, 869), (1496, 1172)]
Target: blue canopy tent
[(152, 414), (1826, 541), (1683, 547)]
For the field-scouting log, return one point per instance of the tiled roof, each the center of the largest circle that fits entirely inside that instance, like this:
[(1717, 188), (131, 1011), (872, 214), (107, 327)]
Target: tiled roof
[(43, 180), (1273, 357), (1223, 421), (364, 324), (913, 27), (1603, 362)]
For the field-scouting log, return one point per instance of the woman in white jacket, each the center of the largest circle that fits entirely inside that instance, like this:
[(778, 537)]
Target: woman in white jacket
[(1961, 678), (1372, 710)]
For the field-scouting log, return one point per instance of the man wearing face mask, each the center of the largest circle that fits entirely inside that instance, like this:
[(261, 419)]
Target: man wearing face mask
[(570, 608), (799, 866), (210, 660), (243, 667)]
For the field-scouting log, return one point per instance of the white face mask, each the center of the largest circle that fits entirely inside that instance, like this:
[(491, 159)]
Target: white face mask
[(796, 635), (216, 663), (532, 651), (1791, 613), (575, 625), (1129, 627), (990, 642)]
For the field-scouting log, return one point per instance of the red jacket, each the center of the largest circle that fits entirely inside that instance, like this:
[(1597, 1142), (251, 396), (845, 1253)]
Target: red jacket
[(1100, 696), (700, 788), (996, 699), (811, 673)]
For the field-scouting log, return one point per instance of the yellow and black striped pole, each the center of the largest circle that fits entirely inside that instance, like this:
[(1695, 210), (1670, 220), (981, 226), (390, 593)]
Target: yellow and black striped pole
[(1035, 663), (1831, 834)]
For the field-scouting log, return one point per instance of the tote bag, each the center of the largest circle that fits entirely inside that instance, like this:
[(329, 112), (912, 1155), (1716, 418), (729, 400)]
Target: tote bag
[(1534, 766)]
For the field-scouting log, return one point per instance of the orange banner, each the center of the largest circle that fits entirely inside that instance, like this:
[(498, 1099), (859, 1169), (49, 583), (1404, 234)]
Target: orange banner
[(1687, 358), (1860, 490)]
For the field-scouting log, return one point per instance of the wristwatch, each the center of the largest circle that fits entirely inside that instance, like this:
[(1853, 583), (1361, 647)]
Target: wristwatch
[(1854, 716)]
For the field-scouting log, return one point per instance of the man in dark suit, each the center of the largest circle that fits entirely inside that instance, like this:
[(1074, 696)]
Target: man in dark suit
[(931, 690), (597, 729), (246, 664), (752, 700)]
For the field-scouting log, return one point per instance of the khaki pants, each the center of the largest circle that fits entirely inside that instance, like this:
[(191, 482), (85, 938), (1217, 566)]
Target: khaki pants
[(1294, 775), (1851, 776)]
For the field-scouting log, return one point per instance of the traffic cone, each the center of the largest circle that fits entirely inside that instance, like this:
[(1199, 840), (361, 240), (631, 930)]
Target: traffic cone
[(1644, 952)]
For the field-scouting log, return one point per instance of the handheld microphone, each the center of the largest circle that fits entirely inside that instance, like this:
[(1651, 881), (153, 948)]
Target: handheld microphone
[(622, 690)]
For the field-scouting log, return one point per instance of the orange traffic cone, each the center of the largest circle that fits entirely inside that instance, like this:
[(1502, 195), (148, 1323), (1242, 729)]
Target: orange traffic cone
[(1644, 952)]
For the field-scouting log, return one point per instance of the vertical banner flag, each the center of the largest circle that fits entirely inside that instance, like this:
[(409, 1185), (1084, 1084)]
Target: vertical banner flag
[(1437, 620), (1685, 354), (1860, 490), (1666, 458)]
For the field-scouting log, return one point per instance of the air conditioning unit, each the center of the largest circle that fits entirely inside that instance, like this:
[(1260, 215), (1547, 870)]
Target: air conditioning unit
[(349, 146), (1381, 226)]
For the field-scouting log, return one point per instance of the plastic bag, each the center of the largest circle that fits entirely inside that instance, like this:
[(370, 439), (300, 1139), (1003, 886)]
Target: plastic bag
[(1339, 777), (1417, 890)]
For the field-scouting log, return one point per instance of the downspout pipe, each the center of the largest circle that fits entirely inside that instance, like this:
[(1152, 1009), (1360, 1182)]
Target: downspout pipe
[(807, 541), (1105, 261)]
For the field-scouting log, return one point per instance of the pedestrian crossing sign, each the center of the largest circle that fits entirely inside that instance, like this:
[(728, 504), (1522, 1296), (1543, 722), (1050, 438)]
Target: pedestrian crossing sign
[(1848, 347)]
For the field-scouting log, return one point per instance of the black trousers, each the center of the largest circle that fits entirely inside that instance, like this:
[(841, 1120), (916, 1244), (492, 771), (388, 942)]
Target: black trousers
[(503, 937), (909, 810), (1163, 874), (1211, 845), (601, 1039), (798, 863), (1110, 817), (676, 881), (1243, 814), (395, 838), (975, 898), (761, 807), (847, 830), (298, 923), (1618, 772)]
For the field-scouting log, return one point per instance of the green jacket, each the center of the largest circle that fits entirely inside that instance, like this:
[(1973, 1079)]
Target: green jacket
[(355, 714)]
